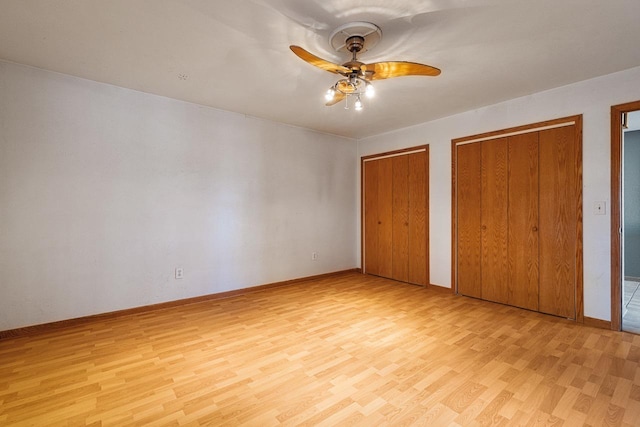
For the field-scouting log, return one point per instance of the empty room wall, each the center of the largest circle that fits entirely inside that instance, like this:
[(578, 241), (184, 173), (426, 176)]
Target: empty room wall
[(592, 98), (104, 191)]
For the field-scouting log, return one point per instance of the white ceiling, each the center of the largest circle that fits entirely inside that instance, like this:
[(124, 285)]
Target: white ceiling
[(234, 55)]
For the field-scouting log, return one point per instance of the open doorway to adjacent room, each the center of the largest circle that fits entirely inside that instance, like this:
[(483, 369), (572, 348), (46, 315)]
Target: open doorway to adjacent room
[(625, 220)]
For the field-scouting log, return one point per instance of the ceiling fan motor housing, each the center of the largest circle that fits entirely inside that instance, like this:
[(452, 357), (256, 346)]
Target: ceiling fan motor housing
[(355, 37), (355, 44)]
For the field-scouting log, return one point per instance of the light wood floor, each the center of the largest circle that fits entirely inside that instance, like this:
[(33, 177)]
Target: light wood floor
[(347, 350)]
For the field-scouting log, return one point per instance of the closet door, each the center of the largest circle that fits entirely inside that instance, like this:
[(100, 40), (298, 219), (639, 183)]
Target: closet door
[(370, 206), (558, 221), (523, 221), (418, 218), (395, 216), (468, 193), (400, 219), (494, 230), (529, 248), (385, 217)]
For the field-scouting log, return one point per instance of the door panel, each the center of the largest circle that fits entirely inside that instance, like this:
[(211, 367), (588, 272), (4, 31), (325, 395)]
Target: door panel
[(468, 192), (523, 221), (558, 221), (385, 217), (371, 218), (418, 218), (494, 220), (400, 219), (395, 217)]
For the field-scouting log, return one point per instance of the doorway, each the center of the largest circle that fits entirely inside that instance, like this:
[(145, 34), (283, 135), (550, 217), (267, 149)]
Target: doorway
[(625, 217)]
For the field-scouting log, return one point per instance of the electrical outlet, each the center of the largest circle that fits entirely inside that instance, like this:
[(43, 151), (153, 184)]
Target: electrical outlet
[(314, 256), (599, 208), (179, 273)]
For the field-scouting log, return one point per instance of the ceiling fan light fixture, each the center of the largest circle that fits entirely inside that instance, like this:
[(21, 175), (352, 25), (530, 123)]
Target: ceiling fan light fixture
[(353, 85), (331, 93), (358, 104), (370, 90)]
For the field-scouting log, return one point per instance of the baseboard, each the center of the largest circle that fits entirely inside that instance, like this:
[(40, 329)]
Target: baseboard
[(632, 279), (597, 323), (45, 327), (439, 288)]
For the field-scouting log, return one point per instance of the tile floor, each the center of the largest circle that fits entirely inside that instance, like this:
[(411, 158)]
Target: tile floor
[(631, 307)]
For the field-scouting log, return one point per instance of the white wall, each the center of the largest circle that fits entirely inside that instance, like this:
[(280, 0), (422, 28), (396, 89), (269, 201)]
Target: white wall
[(104, 191), (592, 98)]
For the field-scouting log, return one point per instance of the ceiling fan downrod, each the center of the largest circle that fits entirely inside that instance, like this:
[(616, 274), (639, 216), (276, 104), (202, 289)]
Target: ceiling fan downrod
[(354, 45)]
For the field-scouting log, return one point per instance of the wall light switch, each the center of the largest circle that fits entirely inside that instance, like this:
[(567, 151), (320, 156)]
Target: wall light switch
[(314, 256), (179, 273), (599, 208)]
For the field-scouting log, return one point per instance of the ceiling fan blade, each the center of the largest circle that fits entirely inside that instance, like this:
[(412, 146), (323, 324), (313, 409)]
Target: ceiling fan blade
[(319, 62), (336, 98), (387, 70)]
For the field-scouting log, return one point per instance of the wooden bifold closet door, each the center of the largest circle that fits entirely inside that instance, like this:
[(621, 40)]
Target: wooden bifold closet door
[(517, 217), (522, 223), (558, 216), (493, 217), (395, 216)]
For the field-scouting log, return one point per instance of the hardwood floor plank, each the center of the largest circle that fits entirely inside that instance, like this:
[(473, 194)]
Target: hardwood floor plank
[(348, 349)]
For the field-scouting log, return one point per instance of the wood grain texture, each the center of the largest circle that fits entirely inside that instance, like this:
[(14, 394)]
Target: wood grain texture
[(394, 153), (567, 125), (385, 217), (454, 217), (468, 220), (400, 248), (342, 350), (558, 217), (524, 129), (494, 211), (579, 284), (419, 218), (400, 219), (523, 221), (370, 220), (78, 321), (616, 216)]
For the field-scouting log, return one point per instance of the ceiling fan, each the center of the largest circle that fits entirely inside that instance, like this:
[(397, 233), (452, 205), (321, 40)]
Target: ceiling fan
[(356, 37)]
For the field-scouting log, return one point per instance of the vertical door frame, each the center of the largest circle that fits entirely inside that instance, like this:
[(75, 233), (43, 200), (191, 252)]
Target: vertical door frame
[(616, 210), (533, 127), (395, 153)]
